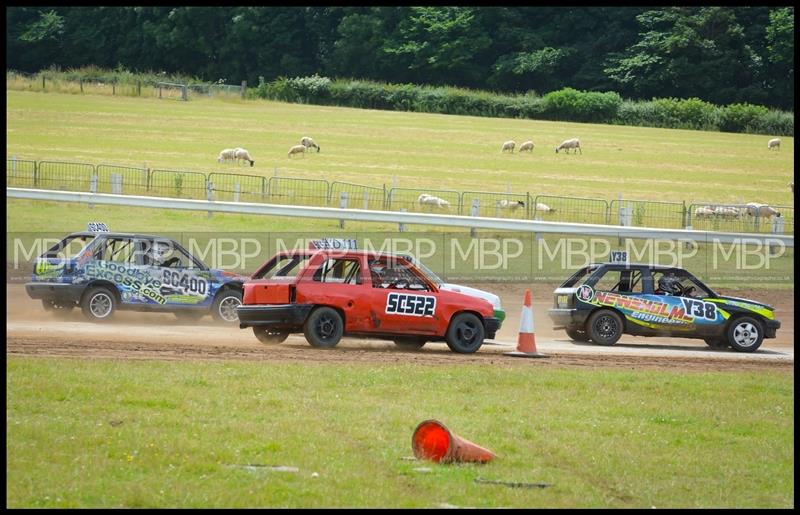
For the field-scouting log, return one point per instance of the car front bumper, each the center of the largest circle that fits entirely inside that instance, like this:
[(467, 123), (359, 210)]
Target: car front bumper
[(492, 326), (771, 328), (279, 316)]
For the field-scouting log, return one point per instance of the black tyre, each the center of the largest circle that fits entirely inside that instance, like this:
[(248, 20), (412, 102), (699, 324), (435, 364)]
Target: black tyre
[(465, 334), (190, 316), (604, 327), (717, 342), (745, 334), (224, 307), (98, 304), (52, 305), (410, 342), (324, 328), (266, 335), (579, 335)]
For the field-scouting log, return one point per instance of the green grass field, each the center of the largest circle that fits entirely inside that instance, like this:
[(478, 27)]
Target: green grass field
[(106, 433), (96, 433)]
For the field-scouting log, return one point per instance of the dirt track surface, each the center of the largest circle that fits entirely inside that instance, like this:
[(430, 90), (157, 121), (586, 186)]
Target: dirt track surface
[(32, 332)]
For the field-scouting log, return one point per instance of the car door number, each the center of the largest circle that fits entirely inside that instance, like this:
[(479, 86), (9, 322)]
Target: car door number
[(700, 309), (184, 282)]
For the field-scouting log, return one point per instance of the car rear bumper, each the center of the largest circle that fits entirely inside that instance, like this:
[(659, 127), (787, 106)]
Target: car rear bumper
[(53, 291), (568, 318), (279, 316)]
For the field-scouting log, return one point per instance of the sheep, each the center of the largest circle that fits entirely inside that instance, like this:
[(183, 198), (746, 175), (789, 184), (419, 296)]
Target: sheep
[(761, 210), (243, 155), (297, 149), (774, 143), (309, 143), (508, 145), (528, 145), (226, 155), (544, 208), (513, 205), (727, 212), (701, 212), (429, 200), (568, 144)]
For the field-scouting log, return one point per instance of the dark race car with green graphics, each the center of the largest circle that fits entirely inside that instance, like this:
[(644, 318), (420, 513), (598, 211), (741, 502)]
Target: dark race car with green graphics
[(600, 302), (101, 271)]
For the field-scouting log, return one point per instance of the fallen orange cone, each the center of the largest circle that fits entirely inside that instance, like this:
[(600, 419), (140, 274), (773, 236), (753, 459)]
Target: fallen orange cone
[(526, 341), (433, 441)]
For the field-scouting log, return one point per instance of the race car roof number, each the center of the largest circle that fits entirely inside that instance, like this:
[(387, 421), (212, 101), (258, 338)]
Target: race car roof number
[(96, 227), (333, 243), (619, 257)]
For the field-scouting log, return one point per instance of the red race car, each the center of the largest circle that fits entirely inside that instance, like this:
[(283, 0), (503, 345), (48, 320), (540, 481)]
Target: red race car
[(330, 293)]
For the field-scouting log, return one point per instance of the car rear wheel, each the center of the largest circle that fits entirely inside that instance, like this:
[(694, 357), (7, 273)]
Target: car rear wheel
[(604, 327), (410, 342), (579, 335), (324, 328), (745, 334), (98, 304), (224, 308), (717, 342), (266, 335), (465, 334)]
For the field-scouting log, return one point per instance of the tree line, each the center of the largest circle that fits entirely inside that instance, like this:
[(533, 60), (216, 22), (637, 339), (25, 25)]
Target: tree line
[(721, 55)]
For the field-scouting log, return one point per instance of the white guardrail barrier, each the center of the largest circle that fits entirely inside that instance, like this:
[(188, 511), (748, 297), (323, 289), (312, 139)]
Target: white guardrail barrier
[(500, 224)]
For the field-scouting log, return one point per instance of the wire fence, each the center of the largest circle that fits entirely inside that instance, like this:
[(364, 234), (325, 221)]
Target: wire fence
[(234, 187)]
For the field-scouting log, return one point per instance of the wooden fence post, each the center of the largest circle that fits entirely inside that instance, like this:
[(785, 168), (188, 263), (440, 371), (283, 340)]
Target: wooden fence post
[(244, 88), (138, 88), (81, 81)]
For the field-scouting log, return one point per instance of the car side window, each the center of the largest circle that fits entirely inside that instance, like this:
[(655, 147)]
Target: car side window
[(620, 281), (340, 271), (176, 257), (395, 275), (117, 250)]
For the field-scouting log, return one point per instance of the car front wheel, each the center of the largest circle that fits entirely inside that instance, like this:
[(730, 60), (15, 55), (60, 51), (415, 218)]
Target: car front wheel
[(745, 334), (604, 327), (465, 334), (98, 304), (324, 328), (265, 335)]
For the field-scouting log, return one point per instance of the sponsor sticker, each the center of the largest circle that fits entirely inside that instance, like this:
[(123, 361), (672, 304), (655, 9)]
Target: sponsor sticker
[(410, 304)]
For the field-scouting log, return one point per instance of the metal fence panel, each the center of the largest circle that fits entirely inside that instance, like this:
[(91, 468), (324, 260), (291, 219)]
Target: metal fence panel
[(304, 192), (58, 175), (409, 198), (239, 187), (20, 173), (179, 184), (133, 180), (570, 209), (708, 216), (358, 196), (497, 205), (646, 213)]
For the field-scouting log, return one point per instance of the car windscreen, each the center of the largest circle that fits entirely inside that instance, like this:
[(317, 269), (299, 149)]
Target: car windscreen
[(435, 279), (579, 276), (69, 247)]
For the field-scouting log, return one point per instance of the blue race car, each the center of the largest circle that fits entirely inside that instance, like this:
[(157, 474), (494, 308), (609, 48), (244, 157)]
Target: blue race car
[(600, 302), (105, 271)]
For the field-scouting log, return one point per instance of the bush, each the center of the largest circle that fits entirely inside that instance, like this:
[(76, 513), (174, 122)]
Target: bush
[(581, 106), (737, 117)]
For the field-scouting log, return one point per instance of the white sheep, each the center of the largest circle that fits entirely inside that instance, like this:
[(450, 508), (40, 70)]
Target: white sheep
[(309, 143), (568, 144), (528, 145), (701, 212), (774, 143), (429, 200), (544, 208), (728, 212), (513, 205), (243, 155), (228, 154), (508, 145), (761, 210), (297, 149)]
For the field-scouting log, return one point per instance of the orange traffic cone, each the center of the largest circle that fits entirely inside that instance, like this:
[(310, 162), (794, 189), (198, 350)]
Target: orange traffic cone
[(432, 441), (526, 341)]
